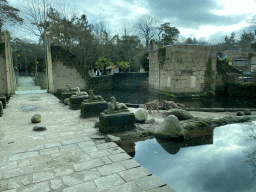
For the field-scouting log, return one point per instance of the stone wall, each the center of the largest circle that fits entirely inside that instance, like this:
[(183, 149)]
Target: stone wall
[(232, 54), (40, 80), (129, 80), (3, 78), (182, 68), (63, 75), (100, 83), (65, 70)]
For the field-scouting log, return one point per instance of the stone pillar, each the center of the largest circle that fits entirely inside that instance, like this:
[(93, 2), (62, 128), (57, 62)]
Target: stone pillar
[(49, 76), (9, 64)]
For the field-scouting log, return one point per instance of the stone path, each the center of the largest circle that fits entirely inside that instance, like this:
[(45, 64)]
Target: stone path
[(70, 156), (26, 85)]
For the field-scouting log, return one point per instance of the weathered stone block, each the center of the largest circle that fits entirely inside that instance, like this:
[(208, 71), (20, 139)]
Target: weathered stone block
[(65, 95), (75, 101), (116, 122), (3, 99), (92, 109)]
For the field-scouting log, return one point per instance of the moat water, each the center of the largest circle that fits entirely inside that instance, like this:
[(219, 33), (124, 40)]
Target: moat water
[(225, 163), (142, 96)]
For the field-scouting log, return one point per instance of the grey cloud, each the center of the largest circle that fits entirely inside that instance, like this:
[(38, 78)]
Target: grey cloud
[(193, 14)]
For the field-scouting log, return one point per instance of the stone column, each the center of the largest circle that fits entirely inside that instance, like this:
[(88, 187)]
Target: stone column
[(49, 76), (9, 64)]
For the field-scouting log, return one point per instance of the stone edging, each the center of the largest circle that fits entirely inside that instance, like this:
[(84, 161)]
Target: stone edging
[(219, 109)]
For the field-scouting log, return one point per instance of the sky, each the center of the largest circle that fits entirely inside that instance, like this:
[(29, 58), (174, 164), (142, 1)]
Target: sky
[(203, 19)]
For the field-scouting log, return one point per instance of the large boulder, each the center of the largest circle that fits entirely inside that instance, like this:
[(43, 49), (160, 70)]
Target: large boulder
[(141, 115), (179, 113), (36, 118), (170, 128)]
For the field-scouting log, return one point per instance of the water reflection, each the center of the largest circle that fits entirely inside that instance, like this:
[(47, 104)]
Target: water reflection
[(220, 166), (141, 95)]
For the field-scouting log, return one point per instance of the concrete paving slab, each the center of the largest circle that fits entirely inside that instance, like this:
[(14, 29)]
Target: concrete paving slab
[(89, 186), (42, 176), (134, 173), (127, 187), (130, 163), (119, 157), (108, 181), (149, 182), (56, 184), (38, 187), (88, 164), (111, 168)]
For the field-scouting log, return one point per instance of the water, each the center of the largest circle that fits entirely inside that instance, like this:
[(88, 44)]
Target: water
[(223, 166), (141, 96)]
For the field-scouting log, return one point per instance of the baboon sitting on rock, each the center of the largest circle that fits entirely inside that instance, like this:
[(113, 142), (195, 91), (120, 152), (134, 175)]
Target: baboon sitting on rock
[(171, 105)]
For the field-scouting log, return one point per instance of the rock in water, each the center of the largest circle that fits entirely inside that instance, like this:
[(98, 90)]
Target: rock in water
[(39, 128), (247, 112), (36, 118), (170, 128), (141, 115), (239, 113), (179, 113)]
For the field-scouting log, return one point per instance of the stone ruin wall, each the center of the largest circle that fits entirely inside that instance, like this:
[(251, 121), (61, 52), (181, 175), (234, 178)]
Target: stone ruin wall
[(231, 54), (3, 77), (63, 75), (183, 69), (64, 71)]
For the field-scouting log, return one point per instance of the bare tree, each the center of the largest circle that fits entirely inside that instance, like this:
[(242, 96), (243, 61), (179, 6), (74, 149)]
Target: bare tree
[(147, 27), (35, 15)]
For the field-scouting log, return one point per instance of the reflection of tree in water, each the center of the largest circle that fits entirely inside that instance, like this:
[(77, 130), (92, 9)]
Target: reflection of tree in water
[(250, 133)]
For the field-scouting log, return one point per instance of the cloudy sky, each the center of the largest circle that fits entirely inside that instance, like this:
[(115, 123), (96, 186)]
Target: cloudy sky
[(209, 19)]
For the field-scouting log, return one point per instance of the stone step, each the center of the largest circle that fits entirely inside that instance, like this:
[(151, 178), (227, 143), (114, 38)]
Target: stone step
[(28, 88), (30, 92)]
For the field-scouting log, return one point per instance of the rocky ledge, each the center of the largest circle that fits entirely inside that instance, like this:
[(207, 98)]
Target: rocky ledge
[(148, 129)]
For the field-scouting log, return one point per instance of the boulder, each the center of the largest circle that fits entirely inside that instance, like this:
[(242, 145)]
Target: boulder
[(141, 115), (179, 113), (112, 138), (170, 128), (36, 118), (1, 109), (39, 128), (239, 113), (247, 112)]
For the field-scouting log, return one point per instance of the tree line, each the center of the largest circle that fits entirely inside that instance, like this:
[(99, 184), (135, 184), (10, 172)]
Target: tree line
[(93, 42)]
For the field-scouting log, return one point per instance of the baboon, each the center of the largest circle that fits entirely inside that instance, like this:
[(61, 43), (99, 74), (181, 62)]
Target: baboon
[(152, 105)]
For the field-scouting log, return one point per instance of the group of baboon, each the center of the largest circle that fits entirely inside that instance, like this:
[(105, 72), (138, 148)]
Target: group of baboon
[(167, 104)]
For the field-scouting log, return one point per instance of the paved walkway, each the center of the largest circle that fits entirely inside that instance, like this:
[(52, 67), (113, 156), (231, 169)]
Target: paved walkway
[(70, 156), (26, 85)]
